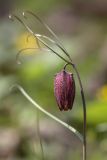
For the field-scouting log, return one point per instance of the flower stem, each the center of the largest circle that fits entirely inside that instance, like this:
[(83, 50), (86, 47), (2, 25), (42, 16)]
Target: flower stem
[(84, 107), (84, 112)]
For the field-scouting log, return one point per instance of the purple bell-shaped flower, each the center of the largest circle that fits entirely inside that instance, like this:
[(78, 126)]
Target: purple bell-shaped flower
[(64, 90)]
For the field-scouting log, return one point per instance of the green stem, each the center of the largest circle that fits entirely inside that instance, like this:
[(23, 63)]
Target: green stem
[(84, 112), (84, 108)]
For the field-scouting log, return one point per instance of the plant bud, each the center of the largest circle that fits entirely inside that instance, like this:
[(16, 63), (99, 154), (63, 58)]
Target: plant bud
[(64, 90)]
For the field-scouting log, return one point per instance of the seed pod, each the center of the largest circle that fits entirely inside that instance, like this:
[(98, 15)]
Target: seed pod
[(64, 90)]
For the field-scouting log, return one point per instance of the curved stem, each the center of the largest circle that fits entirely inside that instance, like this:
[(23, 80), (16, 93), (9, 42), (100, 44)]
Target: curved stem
[(37, 106), (84, 112), (84, 107)]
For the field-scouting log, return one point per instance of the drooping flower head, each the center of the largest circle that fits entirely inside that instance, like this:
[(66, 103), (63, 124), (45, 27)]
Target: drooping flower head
[(64, 90)]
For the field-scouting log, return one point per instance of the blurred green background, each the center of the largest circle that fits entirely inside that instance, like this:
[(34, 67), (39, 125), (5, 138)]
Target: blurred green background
[(82, 27)]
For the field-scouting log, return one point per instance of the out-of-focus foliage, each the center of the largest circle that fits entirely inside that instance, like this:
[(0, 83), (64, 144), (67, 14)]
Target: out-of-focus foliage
[(82, 27)]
